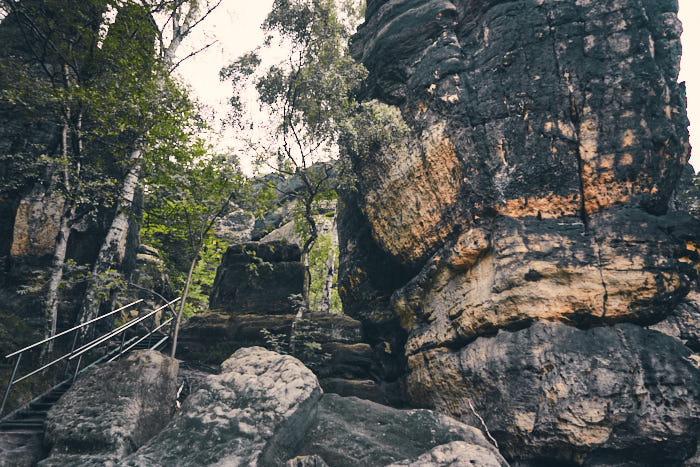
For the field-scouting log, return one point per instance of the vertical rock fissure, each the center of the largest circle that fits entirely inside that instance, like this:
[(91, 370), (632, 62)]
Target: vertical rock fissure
[(575, 119)]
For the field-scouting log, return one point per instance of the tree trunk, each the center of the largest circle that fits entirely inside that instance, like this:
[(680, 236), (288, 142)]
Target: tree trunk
[(110, 255), (58, 263), (59, 257), (329, 270), (193, 264), (306, 287)]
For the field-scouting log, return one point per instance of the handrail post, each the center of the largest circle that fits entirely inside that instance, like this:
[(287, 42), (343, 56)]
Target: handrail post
[(77, 368), (151, 332), (72, 348), (9, 383), (121, 346)]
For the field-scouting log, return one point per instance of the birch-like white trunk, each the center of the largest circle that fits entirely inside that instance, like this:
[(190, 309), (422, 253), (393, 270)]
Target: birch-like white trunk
[(110, 254), (59, 257)]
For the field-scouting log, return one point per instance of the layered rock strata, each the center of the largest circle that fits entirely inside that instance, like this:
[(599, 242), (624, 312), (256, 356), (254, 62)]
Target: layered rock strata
[(529, 202), (257, 278)]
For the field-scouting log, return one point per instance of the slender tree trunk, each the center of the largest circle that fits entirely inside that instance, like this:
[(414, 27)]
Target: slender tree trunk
[(306, 288), (110, 255), (329, 270), (186, 292), (58, 263), (59, 257)]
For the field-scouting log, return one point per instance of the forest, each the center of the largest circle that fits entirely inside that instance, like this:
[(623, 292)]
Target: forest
[(96, 122)]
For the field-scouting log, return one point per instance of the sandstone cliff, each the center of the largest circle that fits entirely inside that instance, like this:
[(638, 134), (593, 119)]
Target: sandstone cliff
[(526, 216)]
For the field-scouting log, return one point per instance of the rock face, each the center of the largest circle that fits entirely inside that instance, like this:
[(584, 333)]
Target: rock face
[(529, 200), (252, 414), (624, 267), (257, 278), (597, 119), (267, 409), (112, 410), (684, 322)]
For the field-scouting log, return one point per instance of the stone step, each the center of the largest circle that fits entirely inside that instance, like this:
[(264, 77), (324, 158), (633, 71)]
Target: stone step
[(36, 425)]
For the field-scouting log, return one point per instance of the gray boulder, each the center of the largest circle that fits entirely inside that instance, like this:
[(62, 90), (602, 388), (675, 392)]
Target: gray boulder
[(454, 454), (253, 413), (112, 410), (356, 432)]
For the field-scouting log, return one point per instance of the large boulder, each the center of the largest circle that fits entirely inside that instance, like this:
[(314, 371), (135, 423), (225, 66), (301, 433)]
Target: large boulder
[(331, 344), (356, 432), (212, 337), (257, 278), (454, 454), (111, 410), (603, 396), (253, 413)]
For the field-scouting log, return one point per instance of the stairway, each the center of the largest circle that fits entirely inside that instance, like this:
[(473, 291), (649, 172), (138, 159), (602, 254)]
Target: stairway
[(22, 431)]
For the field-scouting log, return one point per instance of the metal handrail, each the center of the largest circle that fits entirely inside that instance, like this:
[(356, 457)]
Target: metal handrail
[(139, 340), (116, 332), (73, 328), (87, 347)]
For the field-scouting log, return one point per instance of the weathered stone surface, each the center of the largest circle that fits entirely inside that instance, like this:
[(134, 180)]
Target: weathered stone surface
[(545, 142), (684, 322), (306, 461), (366, 279), (597, 119), (20, 449), (213, 337), (330, 327), (328, 343), (112, 410), (455, 454), (354, 432), (253, 413), (36, 223), (257, 278), (603, 396), (627, 266)]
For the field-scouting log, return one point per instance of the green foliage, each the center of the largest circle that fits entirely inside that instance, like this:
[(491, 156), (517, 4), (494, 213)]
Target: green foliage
[(305, 348), (204, 275), (318, 261)]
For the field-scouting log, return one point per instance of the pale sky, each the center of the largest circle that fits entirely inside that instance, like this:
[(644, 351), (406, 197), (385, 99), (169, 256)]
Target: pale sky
[(236, 26)]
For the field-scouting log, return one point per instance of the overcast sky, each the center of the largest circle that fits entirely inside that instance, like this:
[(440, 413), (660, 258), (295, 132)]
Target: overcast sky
[(236, 27)]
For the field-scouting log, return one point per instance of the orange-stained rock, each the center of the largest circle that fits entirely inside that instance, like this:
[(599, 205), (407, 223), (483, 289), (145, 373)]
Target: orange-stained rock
[(36, 224), (409, 202)]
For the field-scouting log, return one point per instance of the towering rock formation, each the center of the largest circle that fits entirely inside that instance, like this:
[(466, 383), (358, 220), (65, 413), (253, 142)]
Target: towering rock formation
[(520, 236)]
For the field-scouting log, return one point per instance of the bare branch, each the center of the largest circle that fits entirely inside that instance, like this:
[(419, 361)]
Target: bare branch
[(192, 54)]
